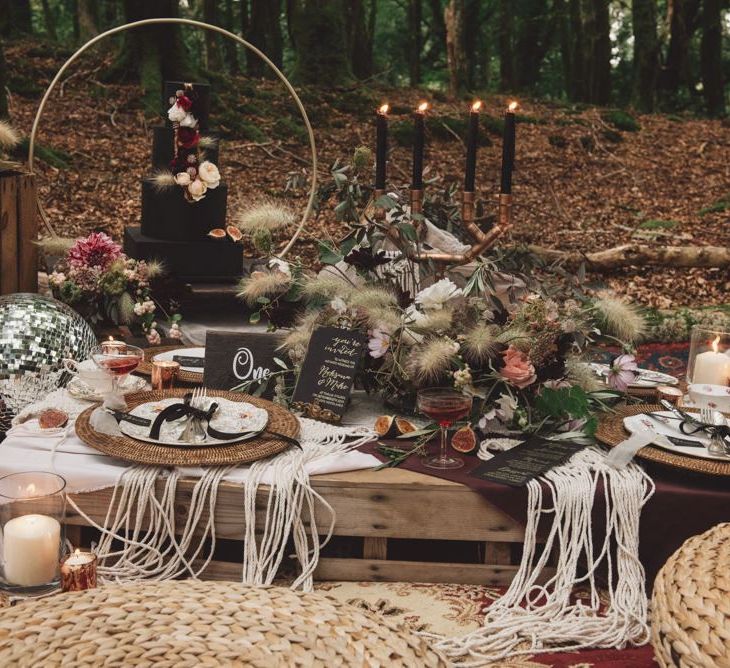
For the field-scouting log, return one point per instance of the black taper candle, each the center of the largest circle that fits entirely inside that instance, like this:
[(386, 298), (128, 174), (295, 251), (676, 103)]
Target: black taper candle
[(508, 149), (472, 142), (419, 121), (381, 150)]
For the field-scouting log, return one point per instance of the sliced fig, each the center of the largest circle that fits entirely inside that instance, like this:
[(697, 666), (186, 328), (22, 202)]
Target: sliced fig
[(217, 233), (52, 418), (234, 233), (385, 426), (404, 426), (464, 440)]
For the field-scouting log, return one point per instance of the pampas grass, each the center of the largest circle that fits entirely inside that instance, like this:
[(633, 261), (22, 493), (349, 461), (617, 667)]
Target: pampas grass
[(55, 246), (269, 216), (126, 308), (434, 322), (207, 142), (162, 179), (369, 298), (480, 342), (8, 136), (618, 319), (516, 337), (326, 286), (262, 284), (155, 268), (427, 363), (382, 318), (577, 372)]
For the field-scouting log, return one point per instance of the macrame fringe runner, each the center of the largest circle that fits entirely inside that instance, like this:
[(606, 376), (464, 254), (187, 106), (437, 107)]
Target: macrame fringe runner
[(165, 550), (531, 618)]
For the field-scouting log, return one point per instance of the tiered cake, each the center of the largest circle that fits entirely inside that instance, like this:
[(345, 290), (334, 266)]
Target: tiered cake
[(185, 198)]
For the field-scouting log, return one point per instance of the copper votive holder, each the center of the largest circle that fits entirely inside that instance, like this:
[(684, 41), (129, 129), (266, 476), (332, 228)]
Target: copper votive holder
[(78, 571), (164, 373)]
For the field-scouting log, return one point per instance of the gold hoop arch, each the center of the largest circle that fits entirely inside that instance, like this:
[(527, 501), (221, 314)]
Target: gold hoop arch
[(205, 26)]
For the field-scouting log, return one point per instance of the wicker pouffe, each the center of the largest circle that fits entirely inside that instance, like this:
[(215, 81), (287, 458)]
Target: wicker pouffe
[(691, 603), (193, 623)]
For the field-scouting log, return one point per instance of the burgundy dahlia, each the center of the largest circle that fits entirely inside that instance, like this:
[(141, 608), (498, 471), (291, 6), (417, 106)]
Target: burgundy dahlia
[(96, 250)]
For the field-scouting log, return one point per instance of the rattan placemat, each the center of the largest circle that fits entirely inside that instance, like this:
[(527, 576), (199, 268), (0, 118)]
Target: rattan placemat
[(145, 367), (611, 432), (130, 449)]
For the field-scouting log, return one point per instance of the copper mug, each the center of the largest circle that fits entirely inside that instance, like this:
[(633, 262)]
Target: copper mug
[(164, 373)]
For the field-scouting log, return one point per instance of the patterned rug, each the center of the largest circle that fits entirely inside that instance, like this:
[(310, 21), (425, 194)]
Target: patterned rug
[(453, 610)]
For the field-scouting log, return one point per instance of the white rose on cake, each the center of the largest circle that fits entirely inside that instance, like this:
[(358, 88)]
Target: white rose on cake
[(436, 295), (197, 190), (176, 113), (188, 121), (209, 174), (182, 179)]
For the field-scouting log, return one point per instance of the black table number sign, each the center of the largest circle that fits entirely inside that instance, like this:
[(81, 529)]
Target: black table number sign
[(232, 358), (328, 373), (519, 465)]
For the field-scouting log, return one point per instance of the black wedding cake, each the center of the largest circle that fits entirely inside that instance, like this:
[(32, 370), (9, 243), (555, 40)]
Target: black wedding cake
[(184, 199)]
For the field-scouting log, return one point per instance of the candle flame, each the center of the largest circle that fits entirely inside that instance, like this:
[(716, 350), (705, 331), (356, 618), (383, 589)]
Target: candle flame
[(715, 343), (422, 107), (77, 551), (384, 109), (31, 488), (513, 105), (111, 338), (476, 106)]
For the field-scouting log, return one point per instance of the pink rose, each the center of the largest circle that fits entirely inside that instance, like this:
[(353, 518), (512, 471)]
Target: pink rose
[(517, 368)]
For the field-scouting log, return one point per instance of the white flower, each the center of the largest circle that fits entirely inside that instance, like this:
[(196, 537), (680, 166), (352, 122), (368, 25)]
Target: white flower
[(209, 173), (176, 113), (57, 278), (182, 179), (175, 331), (413, 316), (189, 121), (197, 189), (436, 295), (279, 265), (153, 337), (378, 343), (503, 412), (142, 308), (338, 305)]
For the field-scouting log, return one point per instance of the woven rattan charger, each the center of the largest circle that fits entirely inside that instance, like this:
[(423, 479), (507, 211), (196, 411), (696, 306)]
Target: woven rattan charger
[(611, 432), (130, 449), (145, 366)]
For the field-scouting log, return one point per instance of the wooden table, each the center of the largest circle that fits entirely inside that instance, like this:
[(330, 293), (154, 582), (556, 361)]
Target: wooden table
[(374, 506)]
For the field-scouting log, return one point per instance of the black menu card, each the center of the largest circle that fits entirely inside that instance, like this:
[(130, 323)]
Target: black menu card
[(328, 373), (516, 467), (232, 358)]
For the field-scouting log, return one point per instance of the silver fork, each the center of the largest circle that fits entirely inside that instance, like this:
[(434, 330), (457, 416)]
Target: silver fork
[(187, 434), (199, 435)]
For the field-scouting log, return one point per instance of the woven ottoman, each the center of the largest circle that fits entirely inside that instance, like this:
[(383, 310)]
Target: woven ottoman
[(193, 623), (691, 603)]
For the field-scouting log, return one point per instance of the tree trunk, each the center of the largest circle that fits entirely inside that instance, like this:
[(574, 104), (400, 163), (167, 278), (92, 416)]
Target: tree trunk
[(414, 43), (264, 32), (533, 41), (639, 255), (15, 18), (49, 20), (360, 38), (87, 12), (598, 51), (437, 32), (455, 52), (646, 53), (229, 46), (318, 27), (681, 17), (711, 58), (574, 44), (213, 60), (246, 55), (472, 31), (506, 53)]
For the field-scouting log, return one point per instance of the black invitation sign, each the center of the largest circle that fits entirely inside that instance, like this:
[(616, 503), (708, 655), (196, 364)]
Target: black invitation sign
[(232, 358), (190, 362), (516, 467), (328, 373)]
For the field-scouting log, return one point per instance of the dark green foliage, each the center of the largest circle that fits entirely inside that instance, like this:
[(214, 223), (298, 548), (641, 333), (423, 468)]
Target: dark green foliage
[(723, 204), (55, 157), (613, 136), (402, 132), (621, 120), (493, 124), (658, 224), (291, 129), (359, 101), (233, 124)]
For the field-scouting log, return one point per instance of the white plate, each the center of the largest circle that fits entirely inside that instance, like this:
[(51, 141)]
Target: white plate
[(670, 427), (231, 417), (647, 378), (183, 352), (78, 389)]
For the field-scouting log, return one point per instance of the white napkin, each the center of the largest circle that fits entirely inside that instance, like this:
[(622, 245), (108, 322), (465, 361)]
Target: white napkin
[(624, 452), (104, 422)]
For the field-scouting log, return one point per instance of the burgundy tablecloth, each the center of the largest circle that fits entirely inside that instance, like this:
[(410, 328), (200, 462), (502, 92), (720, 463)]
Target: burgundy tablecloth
[(684, 504)]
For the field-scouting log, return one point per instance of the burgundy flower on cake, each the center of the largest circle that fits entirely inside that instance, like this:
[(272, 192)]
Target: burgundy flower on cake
[(518, 369), (187, 137), (96, 250), (185, 102)]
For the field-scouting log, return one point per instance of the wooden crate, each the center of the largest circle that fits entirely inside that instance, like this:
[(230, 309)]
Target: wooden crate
[(18, 231), (376, 506)]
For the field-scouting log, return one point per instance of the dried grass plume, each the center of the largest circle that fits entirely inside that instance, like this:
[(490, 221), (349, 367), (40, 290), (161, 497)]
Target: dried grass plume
[(480, 342), (619, 319), (427, 363), (55, 246), (162, 179), (8, 136), (326, 285), (262, 284), (269, 216)]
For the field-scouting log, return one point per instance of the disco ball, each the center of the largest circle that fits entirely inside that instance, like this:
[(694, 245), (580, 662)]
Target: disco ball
[(36, 334)]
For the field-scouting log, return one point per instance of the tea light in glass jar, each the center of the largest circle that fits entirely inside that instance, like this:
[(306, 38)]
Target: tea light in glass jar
[(712, 367), (113, 347), (164, 373), (78, 571)]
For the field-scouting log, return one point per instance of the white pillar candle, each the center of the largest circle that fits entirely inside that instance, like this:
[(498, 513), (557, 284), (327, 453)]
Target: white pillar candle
[(711, 368), (31, 546)]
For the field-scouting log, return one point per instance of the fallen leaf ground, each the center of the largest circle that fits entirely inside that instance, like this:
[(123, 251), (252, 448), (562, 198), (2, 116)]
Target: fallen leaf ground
[(581, 183)]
